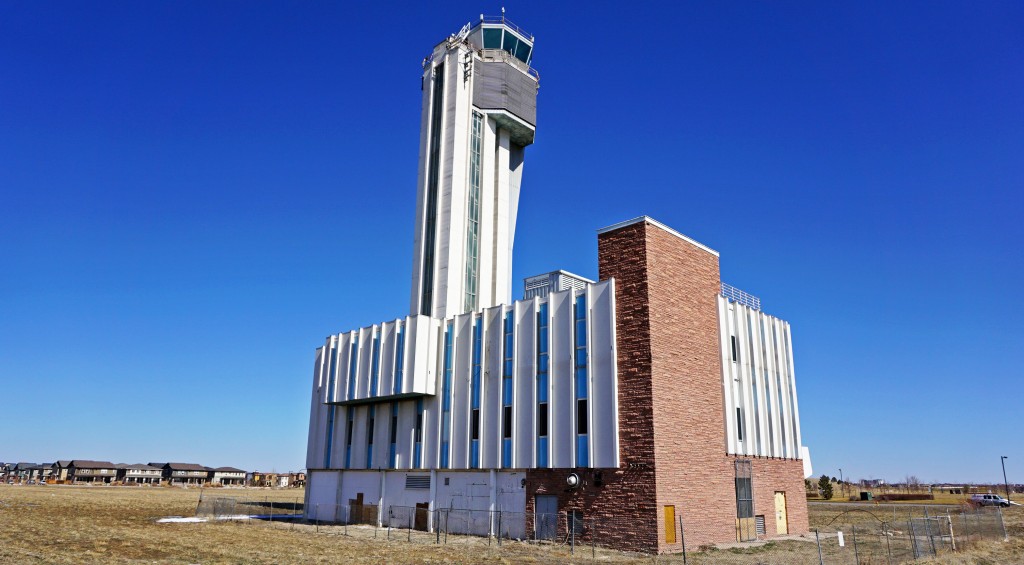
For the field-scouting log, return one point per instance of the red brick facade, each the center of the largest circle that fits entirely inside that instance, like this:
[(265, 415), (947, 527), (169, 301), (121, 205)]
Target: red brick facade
[(671, 407)]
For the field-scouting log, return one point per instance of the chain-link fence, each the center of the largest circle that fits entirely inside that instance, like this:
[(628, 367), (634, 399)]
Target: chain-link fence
[(840, 534), (239, 508)]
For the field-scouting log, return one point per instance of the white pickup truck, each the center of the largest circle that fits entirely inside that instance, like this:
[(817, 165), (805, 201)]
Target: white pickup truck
[(989, 500)]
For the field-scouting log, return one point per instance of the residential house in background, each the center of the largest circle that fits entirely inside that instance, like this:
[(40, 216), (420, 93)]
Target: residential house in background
[(139, 473), (86, 471), (60, 470), (185, 473), (227, 476)]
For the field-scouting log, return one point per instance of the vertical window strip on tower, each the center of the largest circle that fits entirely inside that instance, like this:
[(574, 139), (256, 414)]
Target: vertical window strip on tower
[(348, 438), (417, 452), (375, 365), (399, 358), (542, 385), (393, 448), (580, 373), (433, 180), (506, 392), (332, 408), (352, 366), (474, 395), (446, 399), (473, 215), (753, 385), (371, 417)]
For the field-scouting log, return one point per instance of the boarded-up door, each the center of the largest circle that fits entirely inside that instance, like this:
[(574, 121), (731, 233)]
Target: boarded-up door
[(670, 524), (546, 516), (780, 513)]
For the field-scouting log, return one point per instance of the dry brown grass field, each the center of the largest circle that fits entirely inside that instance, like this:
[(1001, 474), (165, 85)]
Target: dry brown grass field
[(62, 524)]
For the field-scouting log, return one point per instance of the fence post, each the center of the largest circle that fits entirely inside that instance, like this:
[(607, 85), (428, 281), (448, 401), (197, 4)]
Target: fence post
[(412, 516), (1006, 537), (682, 537), (390, 515), (888, 550), (913, 538), (499, 528), (437, 526), (952, 540), (572, 533), (318, 518), (593, 537), (856, 553), (817, 540)]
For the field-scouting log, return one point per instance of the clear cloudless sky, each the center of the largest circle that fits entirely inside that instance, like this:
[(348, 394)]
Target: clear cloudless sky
[(194, 194)]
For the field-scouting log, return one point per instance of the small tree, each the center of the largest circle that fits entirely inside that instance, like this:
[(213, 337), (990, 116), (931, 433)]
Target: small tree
[(825, 486)]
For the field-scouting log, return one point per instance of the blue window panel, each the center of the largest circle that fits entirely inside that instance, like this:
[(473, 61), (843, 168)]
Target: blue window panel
[(417, 453), (582, 451), (506, 452), (399, 360), (542, 388), (369, 456), (392, 456), (348, 456), (581, 382), (330, 436), (444, 454), (375, 365), (474, 454), (353, 365), (542, 363), (506, 392), (542, 451)]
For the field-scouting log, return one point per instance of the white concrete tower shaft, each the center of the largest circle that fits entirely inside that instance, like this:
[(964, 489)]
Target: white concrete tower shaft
[(479, 113)]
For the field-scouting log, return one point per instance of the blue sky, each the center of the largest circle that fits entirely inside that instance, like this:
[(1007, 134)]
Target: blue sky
[(193, 195)]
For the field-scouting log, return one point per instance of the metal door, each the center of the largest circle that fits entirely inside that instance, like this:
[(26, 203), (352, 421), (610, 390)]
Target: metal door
[(780, 514), (545, 516)]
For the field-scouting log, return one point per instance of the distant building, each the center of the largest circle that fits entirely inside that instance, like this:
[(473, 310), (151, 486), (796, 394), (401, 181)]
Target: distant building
[(60, 470), (184, 473), (539, 286), (227, 476), (139, 473), (86, 471)]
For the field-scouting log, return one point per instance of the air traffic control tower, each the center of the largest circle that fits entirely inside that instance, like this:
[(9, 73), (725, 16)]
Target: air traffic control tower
[(479, 114)]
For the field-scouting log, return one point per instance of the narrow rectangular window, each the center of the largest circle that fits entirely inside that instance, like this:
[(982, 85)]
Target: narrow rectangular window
[(399, 359), (579, 311), (375, 365), (393, 448), (542, 385), (473, 211), (348, 439), (474, 393), (330, 409), (739, 424), (418, 447), (353, 366), (735, 349), (446, 398), (371, 417), (508, 354)]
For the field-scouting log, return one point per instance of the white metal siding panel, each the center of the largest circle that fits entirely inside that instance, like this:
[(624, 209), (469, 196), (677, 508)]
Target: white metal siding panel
[(490, 400), (388, 342), (524, 438), (560, 367), (726, 323), (603, 405)]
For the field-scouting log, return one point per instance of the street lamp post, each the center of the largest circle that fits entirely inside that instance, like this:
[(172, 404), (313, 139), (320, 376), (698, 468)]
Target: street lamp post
[(842, 482), (1006, 485)]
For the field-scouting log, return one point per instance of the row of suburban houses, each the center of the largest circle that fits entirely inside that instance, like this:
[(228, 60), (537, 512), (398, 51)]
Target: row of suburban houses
[(79, 471)]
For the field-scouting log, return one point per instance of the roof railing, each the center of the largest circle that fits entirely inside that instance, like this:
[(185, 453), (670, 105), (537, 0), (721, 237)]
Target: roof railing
[(504, 21), (744, 298)]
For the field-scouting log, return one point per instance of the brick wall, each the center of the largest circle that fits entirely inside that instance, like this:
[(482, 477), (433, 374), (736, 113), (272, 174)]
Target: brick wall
[(671, 407)]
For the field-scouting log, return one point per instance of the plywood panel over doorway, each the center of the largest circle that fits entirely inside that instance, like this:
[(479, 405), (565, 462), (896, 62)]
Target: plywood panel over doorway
[(780, 513)]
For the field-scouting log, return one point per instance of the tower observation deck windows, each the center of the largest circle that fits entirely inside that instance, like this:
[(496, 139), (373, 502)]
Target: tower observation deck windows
[(499, 37), (473, 213)]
